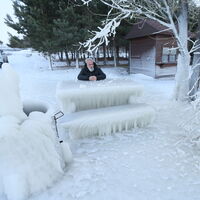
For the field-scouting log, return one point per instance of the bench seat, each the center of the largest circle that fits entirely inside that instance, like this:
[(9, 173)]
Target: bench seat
[(106, 121)]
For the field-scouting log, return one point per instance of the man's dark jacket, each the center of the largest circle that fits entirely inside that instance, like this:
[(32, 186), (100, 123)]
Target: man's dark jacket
[(85, 73)]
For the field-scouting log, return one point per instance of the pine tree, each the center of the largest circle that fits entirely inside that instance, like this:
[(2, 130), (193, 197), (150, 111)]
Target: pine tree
[(35, 21), (15, 42)]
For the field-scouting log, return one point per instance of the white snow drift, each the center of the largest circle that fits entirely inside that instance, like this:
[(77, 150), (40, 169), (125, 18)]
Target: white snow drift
[(31, 158), (10, 103), (82, 95)]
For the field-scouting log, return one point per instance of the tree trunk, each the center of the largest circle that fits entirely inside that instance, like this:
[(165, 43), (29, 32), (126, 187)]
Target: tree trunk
[(77, 59), (94, 56), (183, 63), (67, 58), (195, 77), (114, 53), (117, 55), (81, 52), (84, 56), (182, 77), (60, 56), (97, 55), (104, 54), (108, 53), (50, 62)]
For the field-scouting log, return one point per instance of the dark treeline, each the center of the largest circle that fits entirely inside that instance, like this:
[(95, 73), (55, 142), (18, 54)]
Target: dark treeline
[(59, 26)]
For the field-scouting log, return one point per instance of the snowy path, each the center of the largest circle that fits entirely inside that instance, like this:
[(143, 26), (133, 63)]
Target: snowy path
[(145, 164), (127, 167), (155, 163)]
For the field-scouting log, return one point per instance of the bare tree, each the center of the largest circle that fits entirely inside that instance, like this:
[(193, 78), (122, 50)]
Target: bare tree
[(173, 14)]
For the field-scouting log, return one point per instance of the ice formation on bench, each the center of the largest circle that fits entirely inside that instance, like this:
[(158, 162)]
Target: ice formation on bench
[(109, 120), (82, 96)]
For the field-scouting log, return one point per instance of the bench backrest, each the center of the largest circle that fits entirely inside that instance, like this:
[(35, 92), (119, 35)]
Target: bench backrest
[(79, 95)]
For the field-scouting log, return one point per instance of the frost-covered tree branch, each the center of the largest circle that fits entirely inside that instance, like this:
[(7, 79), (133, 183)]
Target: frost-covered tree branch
[(195, 45), (102, 35), (157, 10)]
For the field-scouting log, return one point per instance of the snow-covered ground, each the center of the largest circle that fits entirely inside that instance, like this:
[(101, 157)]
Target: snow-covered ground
[(159, 162)]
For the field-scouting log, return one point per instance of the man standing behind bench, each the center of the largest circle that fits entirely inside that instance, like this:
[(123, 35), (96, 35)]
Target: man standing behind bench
[(91, 72)]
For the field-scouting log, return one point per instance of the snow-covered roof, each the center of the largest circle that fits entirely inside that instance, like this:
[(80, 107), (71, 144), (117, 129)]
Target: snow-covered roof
[(147, 27)]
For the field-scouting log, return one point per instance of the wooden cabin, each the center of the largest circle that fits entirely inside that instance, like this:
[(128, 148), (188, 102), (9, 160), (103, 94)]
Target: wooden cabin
[(152, 49)]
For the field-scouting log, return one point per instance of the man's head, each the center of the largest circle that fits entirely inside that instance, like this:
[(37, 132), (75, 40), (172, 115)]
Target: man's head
[(90, 64)]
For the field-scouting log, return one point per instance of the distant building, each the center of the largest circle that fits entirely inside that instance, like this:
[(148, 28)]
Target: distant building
[(152, 49)]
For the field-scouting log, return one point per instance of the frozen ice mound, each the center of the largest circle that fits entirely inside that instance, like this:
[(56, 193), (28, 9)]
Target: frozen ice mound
[(106, 121), (84, 95), (24, 156), (30, 156)]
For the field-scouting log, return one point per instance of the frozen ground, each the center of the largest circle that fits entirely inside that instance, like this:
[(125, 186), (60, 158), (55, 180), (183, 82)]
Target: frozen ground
[(155, 163)]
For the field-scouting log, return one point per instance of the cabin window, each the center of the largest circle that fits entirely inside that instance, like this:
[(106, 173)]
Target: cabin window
[(169, 55)]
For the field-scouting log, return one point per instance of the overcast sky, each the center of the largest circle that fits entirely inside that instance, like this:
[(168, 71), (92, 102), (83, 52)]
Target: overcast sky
[(6, 8)]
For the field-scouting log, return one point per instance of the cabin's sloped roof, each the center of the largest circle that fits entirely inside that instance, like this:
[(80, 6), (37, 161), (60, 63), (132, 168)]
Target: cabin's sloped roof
[(147, 27)]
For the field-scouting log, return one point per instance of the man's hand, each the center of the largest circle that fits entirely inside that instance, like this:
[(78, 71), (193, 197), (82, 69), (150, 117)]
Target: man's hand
[(92, 78)]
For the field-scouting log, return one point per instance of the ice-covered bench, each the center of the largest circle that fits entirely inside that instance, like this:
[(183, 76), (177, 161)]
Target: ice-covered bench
[(105, 121), (84, 95), (101, 108)]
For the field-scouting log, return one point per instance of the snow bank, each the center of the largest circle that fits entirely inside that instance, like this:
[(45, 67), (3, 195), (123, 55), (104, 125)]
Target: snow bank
[(109, 120), (76, 96), (30, 156), (23, 58), (10, 103)]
